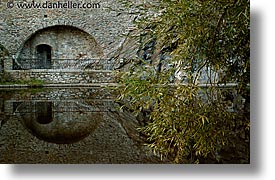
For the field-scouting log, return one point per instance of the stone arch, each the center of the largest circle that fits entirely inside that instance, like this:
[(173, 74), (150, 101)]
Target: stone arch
[(35, 29), (66, 42)]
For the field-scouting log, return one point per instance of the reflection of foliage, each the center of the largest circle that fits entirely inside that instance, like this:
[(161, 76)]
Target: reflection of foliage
[(188, 123)]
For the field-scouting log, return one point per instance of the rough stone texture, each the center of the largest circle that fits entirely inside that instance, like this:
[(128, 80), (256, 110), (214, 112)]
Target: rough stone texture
[(106, 137), (64, 76), (74, 34), (107, 144), (77, 33), (66, 42), (63, 93), (105, 25)]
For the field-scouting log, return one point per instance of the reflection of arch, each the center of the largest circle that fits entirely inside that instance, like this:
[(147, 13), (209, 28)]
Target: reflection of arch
[(44, 56), (43, 112), (67, 124)]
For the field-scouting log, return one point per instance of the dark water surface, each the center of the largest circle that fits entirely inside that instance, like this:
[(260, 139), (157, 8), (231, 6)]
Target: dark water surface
[(77, 125)]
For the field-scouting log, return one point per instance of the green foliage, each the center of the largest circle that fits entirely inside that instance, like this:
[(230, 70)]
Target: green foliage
[(34, 83), (189, 123), (186, 122), (7, 79)]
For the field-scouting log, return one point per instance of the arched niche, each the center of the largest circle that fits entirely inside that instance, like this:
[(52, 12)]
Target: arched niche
[(56, 43), (43, 56)]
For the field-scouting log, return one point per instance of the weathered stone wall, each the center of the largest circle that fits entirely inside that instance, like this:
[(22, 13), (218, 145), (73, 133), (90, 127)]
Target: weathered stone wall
[(64, 94), (64, 76), (105, 25), (66, 42)]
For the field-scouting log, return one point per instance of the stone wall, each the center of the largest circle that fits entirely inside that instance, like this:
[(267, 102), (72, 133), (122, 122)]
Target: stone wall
[(98, 32), (67, 42), (106, 24), (63, 94), (64, 76)]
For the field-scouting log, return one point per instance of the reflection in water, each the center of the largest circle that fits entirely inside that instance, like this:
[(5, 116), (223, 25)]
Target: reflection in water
[(44, 112), (67, 125), (59, 122)]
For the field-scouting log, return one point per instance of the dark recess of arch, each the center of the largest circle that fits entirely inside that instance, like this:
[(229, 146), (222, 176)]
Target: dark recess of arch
[(44, 56)]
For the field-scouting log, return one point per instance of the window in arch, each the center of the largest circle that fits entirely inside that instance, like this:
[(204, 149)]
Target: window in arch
[(44, 55)]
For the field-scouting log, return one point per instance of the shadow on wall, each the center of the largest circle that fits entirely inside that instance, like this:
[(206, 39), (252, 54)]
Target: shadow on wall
[(3, 52)]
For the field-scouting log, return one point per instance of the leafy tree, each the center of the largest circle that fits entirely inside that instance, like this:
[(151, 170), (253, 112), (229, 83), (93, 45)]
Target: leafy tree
[(191, 80)]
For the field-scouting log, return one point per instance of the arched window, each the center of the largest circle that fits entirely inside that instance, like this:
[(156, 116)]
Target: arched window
[(44, 55)]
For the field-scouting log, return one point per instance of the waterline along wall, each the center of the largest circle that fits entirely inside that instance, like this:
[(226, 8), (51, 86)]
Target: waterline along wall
[(59, 76)]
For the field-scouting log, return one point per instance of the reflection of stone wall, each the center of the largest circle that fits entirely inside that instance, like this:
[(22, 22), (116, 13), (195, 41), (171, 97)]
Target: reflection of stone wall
[(2, 107), (59, 121), (106, 136), (74, 93), (109, 143)]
